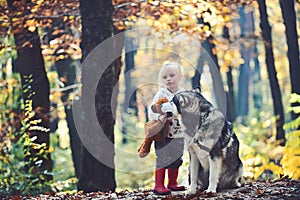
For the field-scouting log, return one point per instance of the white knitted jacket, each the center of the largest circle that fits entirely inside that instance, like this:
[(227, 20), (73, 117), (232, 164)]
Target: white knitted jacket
[(174, 124)]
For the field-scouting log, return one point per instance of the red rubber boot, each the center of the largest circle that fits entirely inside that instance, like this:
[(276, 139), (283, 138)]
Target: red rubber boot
[(159, 187), (173, 185)]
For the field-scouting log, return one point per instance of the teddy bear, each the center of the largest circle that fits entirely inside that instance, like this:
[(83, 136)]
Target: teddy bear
[(154, 129)]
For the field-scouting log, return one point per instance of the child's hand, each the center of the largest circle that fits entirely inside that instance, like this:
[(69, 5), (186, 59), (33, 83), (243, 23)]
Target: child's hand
[(162, 118)]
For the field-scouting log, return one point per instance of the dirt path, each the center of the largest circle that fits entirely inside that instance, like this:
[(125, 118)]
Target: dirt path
[(283, 189)]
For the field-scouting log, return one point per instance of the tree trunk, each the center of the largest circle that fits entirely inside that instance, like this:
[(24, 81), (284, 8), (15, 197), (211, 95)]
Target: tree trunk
[(246, 50), (275, 89), (130, 92), (66, 70), (208, 56), (97, 26), (35, 90), (214, 68), (230, 113), (289, 18), (257, 91), (199, 69), (130, 95)]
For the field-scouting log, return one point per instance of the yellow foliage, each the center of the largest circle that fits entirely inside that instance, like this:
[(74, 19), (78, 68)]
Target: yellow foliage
[(31, 28), (291, 160), (260, 152), (31, 24), (4, 159), (257, 161)]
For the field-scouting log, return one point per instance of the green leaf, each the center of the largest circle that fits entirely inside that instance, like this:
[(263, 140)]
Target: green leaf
[(292, 125)]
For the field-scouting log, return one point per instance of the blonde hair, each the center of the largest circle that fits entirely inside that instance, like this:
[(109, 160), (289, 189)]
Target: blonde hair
[(168, 66)]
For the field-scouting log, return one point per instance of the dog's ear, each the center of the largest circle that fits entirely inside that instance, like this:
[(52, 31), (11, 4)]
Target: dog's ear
[(177, 104), (197, 90)]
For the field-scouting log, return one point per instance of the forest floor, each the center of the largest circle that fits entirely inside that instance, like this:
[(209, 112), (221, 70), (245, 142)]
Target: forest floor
[(284, 188)]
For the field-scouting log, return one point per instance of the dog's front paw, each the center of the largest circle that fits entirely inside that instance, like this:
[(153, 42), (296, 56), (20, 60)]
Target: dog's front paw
[(210, 190), (238, 184), (191, 190)]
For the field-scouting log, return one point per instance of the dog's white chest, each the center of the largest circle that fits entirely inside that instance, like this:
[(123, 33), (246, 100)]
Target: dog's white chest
[(202, 155)]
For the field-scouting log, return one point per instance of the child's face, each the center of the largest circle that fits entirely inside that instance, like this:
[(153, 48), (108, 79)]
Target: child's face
[(171, 79)]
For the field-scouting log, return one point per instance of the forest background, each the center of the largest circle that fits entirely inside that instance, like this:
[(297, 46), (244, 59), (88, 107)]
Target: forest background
[(44, 43)]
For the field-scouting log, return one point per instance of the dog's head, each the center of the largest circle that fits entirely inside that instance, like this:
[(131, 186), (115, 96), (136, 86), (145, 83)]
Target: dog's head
[(190, 101), (191, 104)]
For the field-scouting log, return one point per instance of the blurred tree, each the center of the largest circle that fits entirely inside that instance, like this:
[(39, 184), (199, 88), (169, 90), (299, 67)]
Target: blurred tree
[(35, 86), (193, 17), (66, 69), (198, 71), (97, 26), (246, 27), (208, 55), (289, 19), (130, 92), (275, 89), (130, 96), (256, 75), (249, 54), (230, 112)]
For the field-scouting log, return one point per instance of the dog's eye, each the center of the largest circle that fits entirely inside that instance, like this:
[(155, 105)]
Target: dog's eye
[(184, 101), (181, 100)]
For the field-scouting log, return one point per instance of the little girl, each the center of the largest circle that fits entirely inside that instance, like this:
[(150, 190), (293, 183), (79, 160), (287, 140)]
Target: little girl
[(169, 150)]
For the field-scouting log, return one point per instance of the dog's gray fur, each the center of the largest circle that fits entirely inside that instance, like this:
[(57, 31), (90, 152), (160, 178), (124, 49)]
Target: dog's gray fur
[(213, 146)]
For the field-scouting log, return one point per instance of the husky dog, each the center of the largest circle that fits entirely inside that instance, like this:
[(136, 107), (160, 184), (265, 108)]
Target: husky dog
[(212, 144)]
